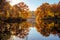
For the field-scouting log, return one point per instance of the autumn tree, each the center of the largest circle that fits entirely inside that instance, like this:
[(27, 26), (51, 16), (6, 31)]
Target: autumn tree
[(47, 12), (21, 10), (44, 10)]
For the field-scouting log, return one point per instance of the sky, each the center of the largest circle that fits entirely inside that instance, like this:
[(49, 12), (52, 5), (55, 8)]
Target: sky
[(33, 4)]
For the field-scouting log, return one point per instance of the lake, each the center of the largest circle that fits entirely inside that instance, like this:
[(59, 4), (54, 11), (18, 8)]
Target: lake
[(29, 31)]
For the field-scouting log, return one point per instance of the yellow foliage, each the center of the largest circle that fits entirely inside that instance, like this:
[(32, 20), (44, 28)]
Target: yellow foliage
[(50, 13)]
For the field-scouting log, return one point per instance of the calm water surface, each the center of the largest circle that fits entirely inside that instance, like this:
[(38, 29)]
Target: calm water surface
[(34, 35)]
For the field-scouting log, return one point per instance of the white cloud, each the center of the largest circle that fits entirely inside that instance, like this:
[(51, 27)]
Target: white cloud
[(13, 2)]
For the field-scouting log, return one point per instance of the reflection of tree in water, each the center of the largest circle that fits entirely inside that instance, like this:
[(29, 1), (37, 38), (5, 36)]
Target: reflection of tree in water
[(18, 29), (4, 32), (46, 30), (47, 19)]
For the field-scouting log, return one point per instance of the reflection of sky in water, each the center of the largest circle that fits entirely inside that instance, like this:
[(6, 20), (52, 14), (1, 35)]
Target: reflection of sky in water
[(34, 35)]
